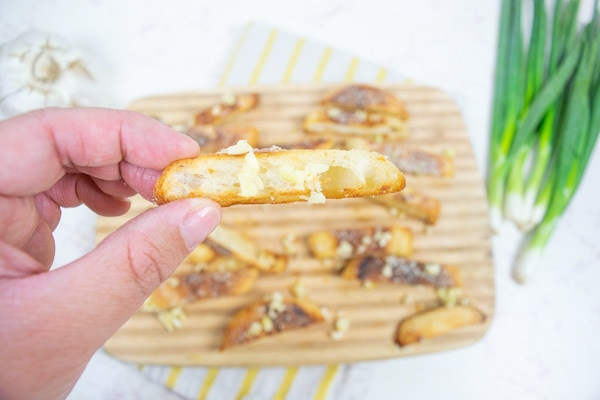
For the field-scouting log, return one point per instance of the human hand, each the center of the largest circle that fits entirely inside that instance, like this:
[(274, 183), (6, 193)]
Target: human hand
[(53, 321)]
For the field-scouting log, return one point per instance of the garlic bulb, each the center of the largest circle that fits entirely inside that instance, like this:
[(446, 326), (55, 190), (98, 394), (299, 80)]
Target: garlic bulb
[(38, 70)]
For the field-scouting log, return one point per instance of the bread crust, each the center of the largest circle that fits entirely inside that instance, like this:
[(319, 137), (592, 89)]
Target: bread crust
[(289, 314), (436, 322), (285, 175)]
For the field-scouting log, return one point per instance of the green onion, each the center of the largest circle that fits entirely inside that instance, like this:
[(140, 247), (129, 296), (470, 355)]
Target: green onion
[(535, 68), (507, 103), (536, 196), (578, 131), (545, 121)]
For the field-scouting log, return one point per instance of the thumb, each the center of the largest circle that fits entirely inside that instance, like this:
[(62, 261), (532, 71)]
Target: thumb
[(63, 316), (110, 283)]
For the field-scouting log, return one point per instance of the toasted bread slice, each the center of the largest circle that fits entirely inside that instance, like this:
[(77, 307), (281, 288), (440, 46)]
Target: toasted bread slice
[(415, 161), (353, 122), (349, 243), (230, 106), (213, 138), (436, 322), (222, 276), (241, 175), (400, 270), (242, 247), (270, 317), (412, 204), (367, 98)]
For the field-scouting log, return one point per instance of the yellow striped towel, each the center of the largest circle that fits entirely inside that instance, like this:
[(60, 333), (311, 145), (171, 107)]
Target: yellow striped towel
[(266, 55)]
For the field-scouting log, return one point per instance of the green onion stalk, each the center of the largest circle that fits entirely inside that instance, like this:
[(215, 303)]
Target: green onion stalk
[(578, 132), (507, 104), (514, 207), (537, 192)]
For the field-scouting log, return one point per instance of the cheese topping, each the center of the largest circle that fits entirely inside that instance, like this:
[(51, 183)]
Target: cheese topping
[(250, 182)]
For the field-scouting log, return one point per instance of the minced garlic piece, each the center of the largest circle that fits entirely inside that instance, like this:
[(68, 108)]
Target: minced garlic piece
[(255, 329), (382, 237), (276, 305), (368, 284), (172, 319), (215, 110), (298, 290), (228, 99), (326, 313), (267, 324), (336, 335), (449, 297), (341, 324), (290, 243), (433, 269), (360, 115), (334, 113), (449, 152), (387, 271), (344, 249), (241, 147), (340, 327), (172, 281)]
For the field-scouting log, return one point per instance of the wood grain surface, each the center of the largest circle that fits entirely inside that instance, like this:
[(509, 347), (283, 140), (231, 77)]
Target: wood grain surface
[(461, 237)]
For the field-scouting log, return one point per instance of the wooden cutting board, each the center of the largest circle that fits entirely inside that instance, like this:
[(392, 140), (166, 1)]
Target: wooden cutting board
[(461, 237)]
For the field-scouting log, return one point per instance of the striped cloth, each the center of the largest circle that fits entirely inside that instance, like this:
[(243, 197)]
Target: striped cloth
[(266, 55)]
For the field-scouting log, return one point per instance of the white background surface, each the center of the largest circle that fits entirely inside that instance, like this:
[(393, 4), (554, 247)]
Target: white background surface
[(543, 342)]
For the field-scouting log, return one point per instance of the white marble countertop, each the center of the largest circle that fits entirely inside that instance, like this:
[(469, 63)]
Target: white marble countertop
[(543, 341)]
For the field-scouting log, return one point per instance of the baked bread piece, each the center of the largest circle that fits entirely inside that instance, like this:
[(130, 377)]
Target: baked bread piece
[(333, 120), (367, 98), (349, 243), (240, 175), (222, 276), (358, 110), (227, 241), (213, 138), (412, 204), (436, 322), (400, 270), (269, 317), (230, 106), (418, 162)]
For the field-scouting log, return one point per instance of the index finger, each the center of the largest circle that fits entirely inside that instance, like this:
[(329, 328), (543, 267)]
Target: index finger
[(37, 147)]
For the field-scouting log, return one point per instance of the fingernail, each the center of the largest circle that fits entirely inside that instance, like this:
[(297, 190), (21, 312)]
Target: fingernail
[(198, 224)]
